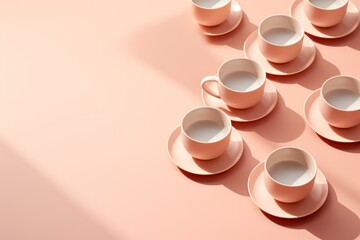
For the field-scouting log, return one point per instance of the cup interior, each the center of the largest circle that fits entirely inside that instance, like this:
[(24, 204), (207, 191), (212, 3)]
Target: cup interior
[(291, 166), (328, 4), (206, 125), (242, 75), (342, 93), (210, 4), (281, 30)]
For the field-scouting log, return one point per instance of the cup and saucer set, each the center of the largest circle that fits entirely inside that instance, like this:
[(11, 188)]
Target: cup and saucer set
[(217, 17), (288, 184), (333, 111), (328, 19)]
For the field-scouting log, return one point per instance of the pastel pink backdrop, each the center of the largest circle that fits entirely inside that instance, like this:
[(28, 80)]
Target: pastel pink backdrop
[(90, 91)]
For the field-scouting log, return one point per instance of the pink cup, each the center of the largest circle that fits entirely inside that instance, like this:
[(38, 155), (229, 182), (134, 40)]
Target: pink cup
[(211, 12), (280, 38), (340, 101), (240, 82), (325, 13), (290, 174), (205, 132)]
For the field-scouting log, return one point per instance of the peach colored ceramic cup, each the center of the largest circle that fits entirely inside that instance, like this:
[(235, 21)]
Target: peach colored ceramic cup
[(290, 174), (211, 12), (240, 81), (280, 38), (205, 132), (340, 101), (325, 13)]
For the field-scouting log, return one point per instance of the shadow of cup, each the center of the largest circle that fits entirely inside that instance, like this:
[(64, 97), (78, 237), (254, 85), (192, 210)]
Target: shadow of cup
[(236, 38), (332, 221), (235, 178), (313, 77), (281, 125)]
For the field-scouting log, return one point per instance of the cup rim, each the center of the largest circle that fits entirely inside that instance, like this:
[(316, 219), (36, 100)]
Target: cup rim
[(212, 8), (330, 105), (279, 45), (207, 107), (283, 184), (263, 80), (326, 9)]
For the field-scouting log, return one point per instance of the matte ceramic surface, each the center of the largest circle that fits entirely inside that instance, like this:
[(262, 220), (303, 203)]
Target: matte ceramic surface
[(340, 101), (290, 174), (280, 38), (228, 25), (262, 198), (260, 110), (299, 64), (347, 25), (211, 15), (206, 143), (324, 13), (317, 122), (240, 83), (183, 159)]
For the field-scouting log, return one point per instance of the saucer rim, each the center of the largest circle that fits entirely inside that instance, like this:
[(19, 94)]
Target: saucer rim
[(318, 34), (205, 29), (270, 71), (237, 158), (235, 118), (320, 174), (307, 104)]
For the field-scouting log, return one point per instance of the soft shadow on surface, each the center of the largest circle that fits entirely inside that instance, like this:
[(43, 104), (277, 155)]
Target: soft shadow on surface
[(281, 125), (237, 37), (313, 77), (332, 221), (33, 208), (173, 48), (345, 147), (235, 178), (352, 40)]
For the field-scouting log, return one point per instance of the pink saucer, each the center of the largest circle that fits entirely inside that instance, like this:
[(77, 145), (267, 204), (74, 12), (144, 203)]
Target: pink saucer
[(320, 126), (303, 61), (260, 110), (183, 160), (349, 23), (230, 24), (262, 198)]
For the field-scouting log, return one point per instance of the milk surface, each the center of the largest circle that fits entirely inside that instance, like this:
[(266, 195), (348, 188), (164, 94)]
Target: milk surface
[(241, 81), (211, 3), (343, 99), (281, 36), (206, 131), (290, 173), (328, 4)]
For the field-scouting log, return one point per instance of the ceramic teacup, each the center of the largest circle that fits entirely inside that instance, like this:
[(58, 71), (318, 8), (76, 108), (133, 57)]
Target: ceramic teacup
[(205, 132), (280, 38), (290, 174), (240, 81), (340, 101), (325, 13), (211, 12)]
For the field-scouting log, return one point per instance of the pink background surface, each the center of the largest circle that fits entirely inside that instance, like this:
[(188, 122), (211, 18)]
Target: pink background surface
[(90, 91)]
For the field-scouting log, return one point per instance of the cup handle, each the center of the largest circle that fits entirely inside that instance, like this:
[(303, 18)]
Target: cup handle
[(205, 86)]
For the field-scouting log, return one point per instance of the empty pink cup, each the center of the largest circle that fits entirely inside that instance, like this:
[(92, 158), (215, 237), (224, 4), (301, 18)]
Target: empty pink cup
[(211, 12), (340, 101), (205, 132), (280, 38), (240, 83), (325, 13), (290, 174)]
